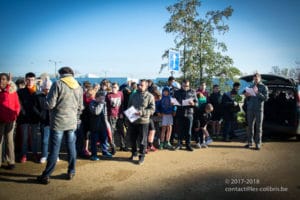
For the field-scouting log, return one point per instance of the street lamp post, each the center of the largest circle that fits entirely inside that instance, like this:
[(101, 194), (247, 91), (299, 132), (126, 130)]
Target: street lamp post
[(55, 64)]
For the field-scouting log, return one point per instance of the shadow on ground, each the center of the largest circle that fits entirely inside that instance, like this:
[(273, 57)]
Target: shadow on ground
[(194, 186)]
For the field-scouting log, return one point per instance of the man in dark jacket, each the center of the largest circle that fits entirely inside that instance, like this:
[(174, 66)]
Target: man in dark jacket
[(184, 114), (215, 98), (255, 110), (65, 101), (29, 117), (230, 109)]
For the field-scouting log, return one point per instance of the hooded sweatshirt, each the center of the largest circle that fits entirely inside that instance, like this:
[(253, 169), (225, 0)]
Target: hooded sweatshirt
[(65, 101), (165, 103)]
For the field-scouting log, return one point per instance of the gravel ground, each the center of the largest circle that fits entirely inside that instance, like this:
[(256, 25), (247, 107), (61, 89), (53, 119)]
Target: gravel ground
[(222, 171)]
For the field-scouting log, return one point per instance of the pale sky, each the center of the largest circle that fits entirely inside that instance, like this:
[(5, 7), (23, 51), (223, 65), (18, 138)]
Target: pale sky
[(126, 38)]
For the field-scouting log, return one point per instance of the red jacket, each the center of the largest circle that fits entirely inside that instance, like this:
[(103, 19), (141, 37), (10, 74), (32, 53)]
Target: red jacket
[(9, 105)]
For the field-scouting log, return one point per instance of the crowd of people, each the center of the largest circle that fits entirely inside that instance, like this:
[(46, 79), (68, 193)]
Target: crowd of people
[(90, 118)]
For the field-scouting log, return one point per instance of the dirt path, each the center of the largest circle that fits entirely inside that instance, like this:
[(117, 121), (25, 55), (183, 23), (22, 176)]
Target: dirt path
[(202, 174)]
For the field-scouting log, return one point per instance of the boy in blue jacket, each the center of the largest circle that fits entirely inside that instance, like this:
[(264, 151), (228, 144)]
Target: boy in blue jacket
[(167, 111)]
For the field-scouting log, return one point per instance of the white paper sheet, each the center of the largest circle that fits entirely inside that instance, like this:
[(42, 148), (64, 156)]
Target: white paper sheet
[(175, 102), (186, 102), (250, 91), (130, 114)]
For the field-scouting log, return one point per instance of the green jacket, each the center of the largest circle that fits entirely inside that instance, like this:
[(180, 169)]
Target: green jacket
[(144, 103), (65, 101)]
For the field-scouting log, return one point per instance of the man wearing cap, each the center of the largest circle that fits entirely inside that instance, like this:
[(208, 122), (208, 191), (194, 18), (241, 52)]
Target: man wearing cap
[(65, 101)]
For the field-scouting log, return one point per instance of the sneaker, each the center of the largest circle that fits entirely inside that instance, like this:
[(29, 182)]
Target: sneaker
[(124, 149), (248, 146), (23, 159), (141, 160), (43, 160), (113, 149), (198, 146), (178, 147), (107, 155), (95, 158), (161, 146), (208, 141), (168, 145), (133, 155), (189, 148), (257, 147), (57, 159), (43, 180), (152, 148), (86, 153), (70, 176), (204, 145)]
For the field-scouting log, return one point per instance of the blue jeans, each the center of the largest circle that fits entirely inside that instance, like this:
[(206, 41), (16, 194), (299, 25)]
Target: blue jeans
[(95, 137), (45, 130), (26, 129), (54, 148)]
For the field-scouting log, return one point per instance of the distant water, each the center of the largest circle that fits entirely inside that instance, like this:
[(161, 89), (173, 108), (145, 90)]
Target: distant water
[(122, 80), (119, 80)]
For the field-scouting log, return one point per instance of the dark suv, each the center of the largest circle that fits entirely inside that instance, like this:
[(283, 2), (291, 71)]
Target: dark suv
[(281, 111)]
